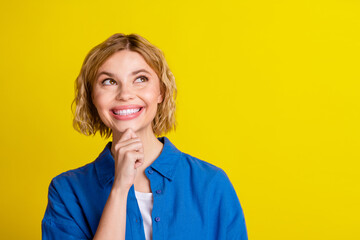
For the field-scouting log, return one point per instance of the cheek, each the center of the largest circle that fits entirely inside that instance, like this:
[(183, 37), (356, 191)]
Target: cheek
[(152, 97), (101, 109), (99, 99), (96, 100)]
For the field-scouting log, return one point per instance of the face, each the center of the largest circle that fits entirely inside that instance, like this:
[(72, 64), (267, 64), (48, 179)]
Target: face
[(126, 92)]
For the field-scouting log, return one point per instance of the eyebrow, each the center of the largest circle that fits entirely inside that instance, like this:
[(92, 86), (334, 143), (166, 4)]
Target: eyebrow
[(112, 75)]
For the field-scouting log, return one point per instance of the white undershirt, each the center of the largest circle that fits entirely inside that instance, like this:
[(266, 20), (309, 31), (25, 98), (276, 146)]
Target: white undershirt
[(146, 201)]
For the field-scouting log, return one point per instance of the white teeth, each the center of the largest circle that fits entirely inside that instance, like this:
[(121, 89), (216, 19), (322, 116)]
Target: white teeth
[(127, 111)]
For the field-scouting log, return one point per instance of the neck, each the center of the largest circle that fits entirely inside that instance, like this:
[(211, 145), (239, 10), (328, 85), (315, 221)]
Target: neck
[(152, 146)]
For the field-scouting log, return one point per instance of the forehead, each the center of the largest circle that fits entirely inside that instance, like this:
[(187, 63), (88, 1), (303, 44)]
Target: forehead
[(125, 62)]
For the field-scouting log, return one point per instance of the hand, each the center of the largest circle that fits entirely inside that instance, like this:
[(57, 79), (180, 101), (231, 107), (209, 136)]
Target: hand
[(129, 155)]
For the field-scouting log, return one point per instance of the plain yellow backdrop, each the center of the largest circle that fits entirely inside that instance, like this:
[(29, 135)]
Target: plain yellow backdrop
[(267, 90)]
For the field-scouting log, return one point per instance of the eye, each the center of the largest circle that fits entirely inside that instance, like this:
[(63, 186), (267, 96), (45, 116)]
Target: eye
[(108, 80), (142, 78)]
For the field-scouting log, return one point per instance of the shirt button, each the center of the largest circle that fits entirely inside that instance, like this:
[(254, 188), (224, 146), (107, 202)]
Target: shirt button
[(157, 219), (150, 171), (158, 191)]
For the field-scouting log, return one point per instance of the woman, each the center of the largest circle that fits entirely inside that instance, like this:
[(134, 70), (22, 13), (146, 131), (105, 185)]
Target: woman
[(140, 186)]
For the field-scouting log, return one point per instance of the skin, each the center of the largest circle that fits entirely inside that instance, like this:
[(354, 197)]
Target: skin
[(135, 145)]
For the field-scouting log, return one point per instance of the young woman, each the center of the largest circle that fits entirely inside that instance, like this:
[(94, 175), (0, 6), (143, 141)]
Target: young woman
[(140, 186)]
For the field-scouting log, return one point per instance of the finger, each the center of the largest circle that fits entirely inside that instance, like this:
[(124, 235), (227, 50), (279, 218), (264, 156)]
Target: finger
[(120, 145), (140, 150), (126, 135), (132, 133), (137, 164), (134, 158), (139, 160), (135, 147)]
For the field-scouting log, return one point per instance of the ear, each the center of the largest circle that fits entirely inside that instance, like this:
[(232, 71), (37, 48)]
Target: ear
[(160, 98)]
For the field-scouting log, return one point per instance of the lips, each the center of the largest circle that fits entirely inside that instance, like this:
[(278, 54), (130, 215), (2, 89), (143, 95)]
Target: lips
[(133, 106), (126, 112)]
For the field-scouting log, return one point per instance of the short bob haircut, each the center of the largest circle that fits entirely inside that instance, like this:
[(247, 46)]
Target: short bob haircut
[(86, 118)]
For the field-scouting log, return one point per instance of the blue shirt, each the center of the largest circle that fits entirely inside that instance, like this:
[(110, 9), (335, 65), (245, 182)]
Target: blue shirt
[(193, 199)]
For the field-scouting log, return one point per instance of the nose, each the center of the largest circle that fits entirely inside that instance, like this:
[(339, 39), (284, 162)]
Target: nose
[(124, 93)]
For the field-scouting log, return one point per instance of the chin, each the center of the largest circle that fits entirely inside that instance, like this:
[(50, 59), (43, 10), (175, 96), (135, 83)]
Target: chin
[(124, 127)]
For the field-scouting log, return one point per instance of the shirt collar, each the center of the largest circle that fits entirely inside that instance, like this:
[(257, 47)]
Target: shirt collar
[(165, 163)]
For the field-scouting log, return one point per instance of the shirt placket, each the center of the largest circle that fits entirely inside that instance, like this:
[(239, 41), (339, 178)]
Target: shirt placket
[(158, 220), (135, 218), (157, 188)]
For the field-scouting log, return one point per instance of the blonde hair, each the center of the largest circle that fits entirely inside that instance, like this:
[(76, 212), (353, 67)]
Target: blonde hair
[(86, 118)]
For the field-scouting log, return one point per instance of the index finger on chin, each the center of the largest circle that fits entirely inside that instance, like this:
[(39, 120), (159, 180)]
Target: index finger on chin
[(126, 135), (132, 132)]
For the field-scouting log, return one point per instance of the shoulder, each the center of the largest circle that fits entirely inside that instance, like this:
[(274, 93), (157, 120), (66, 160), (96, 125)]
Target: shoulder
[(202, 168), (87, 174), (64, 212), (69, 179), (199, 163)]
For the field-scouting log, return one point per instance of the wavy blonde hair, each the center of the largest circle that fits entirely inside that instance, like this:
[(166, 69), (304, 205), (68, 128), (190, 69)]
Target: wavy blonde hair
[(86, 118)]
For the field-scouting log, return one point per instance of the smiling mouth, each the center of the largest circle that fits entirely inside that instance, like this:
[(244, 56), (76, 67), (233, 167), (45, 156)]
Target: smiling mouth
[(127, 111)]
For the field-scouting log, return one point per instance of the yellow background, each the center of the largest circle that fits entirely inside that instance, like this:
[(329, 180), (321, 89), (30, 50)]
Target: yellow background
[(268, 91)]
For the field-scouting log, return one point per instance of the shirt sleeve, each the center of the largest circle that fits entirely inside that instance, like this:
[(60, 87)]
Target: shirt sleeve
[(227, 209), (58, 223)]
